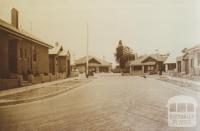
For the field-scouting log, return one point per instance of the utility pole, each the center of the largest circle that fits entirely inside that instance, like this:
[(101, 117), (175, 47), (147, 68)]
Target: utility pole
[(31, 56), (87, 29)]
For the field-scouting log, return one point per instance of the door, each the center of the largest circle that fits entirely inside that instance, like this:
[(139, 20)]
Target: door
[(12, 56)]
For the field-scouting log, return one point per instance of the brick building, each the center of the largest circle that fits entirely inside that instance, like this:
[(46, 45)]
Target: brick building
[(21, 54), (59, 60)]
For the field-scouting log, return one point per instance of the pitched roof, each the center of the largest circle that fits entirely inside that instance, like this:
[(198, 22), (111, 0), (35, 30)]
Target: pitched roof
[(157, 57), (83, 60), (186, 52), (197, 47), (58, 50), (20, 33), (64, 53), (138, 61)]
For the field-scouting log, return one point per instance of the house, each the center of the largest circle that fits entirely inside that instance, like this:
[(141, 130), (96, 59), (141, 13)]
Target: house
[(21, 54), (170, 64), (94, 64), (189, 62), (148, 64), (59, 60)]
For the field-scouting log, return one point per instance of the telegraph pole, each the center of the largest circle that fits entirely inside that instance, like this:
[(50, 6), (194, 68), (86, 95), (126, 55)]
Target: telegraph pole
[(87, 50)]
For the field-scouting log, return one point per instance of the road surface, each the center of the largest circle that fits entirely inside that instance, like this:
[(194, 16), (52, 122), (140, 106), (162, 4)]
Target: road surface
[(110, 102)]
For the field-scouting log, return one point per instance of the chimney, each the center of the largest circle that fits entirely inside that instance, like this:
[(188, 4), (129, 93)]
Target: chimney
[(14, 18)]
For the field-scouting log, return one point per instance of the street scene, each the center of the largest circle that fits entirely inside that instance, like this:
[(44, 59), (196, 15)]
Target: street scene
[(130, 103), (126, 65)]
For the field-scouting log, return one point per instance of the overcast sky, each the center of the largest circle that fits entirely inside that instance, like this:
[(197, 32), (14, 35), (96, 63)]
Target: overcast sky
[(144, 25)]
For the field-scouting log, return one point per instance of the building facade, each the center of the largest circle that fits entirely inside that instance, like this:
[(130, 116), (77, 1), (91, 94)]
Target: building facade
[(149, 64), (59, 60), (189, 62), (170, 64), (94, 64), (21, 54)]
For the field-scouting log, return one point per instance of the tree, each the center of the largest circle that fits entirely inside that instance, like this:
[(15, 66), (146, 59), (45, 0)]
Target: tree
[(123, 55)]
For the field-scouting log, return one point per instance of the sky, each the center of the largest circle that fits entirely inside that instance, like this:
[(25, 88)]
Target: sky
[(143, 25)]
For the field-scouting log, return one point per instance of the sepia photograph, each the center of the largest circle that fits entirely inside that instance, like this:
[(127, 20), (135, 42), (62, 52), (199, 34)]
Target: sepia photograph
[(99, 65)]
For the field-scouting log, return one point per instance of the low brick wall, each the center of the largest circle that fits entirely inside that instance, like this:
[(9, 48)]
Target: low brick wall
[(46, 78), (37, 79), (16, 80), (9, 83), (53, 77), (62, 75)]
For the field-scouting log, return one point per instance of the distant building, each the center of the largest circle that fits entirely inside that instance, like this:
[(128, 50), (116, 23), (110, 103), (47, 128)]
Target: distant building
[(170, 64), (94, 64), (21, 54), (189, 62), (148, 64), (59, 60)]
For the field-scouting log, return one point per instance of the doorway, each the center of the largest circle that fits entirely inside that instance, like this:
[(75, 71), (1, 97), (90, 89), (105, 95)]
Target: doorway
[(12, 56)]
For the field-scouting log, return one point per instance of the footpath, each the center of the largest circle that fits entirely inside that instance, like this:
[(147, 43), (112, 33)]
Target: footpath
[(185, 83), (40, 91)]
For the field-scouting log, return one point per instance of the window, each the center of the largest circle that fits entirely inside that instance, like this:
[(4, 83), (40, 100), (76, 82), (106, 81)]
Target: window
[(34, 53), (150, 68), (25, 53), (21, 53)]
